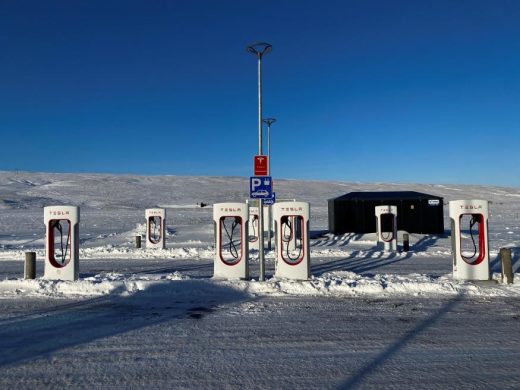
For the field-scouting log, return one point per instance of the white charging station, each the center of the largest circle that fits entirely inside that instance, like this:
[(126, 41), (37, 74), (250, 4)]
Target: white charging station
[(61, 242), (291, 221), (155, 228), (387, 216), (291, 243), (253, 228), (253, 224), (289, 236), (231, 240), (469, 239), (254, 231)]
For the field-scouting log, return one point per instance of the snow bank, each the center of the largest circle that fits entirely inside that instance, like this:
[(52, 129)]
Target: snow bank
[(350, 284), (87, 287), (113, 252), (187, 252), (336, 284)]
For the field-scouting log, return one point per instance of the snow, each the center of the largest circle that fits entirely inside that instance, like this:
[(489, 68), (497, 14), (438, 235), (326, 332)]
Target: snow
[(142, 318), (335, 284)]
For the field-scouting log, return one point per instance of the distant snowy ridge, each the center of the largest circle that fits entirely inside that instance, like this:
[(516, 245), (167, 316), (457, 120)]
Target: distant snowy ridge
[(105, 191)]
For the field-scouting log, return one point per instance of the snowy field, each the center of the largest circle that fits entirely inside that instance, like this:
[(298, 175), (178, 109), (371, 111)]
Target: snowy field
[(139, 318)]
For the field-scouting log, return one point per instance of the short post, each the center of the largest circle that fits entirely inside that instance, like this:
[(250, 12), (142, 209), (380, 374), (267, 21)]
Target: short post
[(406, 242), (138, 242), (507, 265), (30, 265)]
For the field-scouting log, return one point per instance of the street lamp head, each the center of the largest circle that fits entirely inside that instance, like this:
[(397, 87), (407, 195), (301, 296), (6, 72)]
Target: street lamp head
[(259, 48), (269, 121)]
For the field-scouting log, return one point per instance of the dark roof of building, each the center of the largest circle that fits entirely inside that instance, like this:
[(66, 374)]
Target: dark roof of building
[(386, 195)]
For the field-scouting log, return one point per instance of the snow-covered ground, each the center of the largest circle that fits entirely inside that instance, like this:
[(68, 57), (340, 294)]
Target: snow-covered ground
[(141, 318)]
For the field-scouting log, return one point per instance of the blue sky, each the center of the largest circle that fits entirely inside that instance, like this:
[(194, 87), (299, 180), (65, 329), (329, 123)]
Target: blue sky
[(371, 91)]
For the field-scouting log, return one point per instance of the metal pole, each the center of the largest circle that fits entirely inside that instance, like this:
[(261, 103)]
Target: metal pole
[(261, 258), (269, 122), (260, 104), (269, 174), (268, 149), (259, 49)]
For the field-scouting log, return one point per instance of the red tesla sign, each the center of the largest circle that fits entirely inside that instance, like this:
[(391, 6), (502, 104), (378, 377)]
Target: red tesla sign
[(261, 165)]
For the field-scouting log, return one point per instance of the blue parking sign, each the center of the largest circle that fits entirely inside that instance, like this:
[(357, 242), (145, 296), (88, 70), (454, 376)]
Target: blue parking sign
[(260, 187), (270, 201)]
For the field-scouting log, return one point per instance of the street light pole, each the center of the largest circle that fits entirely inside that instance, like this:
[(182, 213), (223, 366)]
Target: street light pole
[(259, 49), (269, 122)]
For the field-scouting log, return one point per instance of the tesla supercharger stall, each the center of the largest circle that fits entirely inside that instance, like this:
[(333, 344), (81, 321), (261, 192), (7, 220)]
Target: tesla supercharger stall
[(254, 232), (469, 239), (386, 216), (291, 236), (291, 221), (155, 228), (253, 225), (253, 228), (61, 242), (231, 240)]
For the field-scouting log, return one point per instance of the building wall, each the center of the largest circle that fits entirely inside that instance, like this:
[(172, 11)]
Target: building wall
[(413, 215)]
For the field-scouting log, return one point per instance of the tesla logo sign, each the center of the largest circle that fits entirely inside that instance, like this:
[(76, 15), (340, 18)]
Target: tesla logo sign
[(261, 165), (59, 213), (471, 207)]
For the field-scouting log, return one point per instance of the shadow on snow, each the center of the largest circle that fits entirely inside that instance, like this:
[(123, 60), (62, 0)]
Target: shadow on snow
[(44, 332), (398, 345), (363, 261)]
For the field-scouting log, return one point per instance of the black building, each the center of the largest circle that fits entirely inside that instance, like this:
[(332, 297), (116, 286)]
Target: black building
[(416, 212)]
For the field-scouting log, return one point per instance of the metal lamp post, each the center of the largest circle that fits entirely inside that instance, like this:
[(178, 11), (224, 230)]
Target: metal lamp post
[(269, 122), (259, 49)]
